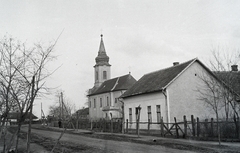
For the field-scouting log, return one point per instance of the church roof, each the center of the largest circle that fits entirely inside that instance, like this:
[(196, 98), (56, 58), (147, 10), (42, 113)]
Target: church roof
[(156, 81), (115, 84), (102, 58)]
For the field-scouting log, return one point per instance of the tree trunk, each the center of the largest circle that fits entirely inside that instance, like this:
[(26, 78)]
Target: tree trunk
[(29, 131), (218, 130), (18, 132), (30, 117)]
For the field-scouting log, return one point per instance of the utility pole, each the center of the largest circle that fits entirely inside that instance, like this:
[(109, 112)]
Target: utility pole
[(41, 114), (62, 109)]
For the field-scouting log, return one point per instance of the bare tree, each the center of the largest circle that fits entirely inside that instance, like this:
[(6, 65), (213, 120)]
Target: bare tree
[(225, 68), (63, 108), (66, 110), (23, 75), (210, 94), (221, 65), (217, 90)]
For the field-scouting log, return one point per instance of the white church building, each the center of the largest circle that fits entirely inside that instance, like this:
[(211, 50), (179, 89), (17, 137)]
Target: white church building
[(103, 97)]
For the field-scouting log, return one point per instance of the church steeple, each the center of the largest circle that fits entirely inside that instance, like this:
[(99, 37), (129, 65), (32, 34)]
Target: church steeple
[(102, 66), (102, 58)]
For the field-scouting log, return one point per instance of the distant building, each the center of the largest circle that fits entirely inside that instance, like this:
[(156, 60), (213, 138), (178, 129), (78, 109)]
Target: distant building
[(231, 78), (13, 117), (82, 113), (103, 97)]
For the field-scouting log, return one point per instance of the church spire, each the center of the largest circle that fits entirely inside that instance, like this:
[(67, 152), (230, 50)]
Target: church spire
[(102, 58), (101, 47), (102, 67)]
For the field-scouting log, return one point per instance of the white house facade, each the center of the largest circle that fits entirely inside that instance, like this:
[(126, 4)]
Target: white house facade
[(168, 93)]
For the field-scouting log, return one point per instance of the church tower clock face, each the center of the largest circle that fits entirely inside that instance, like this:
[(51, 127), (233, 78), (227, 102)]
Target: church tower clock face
[(102, 66)]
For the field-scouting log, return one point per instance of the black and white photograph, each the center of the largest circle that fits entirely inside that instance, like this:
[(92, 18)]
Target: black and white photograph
[(119, 76)]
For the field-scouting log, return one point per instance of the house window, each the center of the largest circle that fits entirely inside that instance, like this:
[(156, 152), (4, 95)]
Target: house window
[(100, 102), (104, 74), (149, 113), (107, 101), (94, 103), (116, 100), (130, 115), (96, 75), (158, 108), (136, 113)]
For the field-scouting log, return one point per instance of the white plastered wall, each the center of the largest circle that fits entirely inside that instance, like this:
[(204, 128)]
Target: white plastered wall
[(144, 101)]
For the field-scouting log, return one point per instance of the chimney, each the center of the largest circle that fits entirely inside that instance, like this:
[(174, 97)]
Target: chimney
[(234, 67), (175, 63)]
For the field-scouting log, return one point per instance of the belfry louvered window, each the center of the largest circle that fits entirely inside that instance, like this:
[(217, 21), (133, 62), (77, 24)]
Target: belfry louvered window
[(104, 74)]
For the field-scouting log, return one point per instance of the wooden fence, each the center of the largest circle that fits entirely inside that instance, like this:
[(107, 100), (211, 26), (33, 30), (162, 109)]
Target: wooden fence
[(183, 128), (99, 126), (192, 128)]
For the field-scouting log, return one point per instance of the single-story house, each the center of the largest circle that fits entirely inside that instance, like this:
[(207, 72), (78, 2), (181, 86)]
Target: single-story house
[(13, 117), (168, 93)]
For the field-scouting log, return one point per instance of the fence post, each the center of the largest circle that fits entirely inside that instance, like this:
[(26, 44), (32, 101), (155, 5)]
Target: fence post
[(77, 122), (91, 125), (198, 127), (193, 125), (148, 126), (238, 128), (104, 125), (118, 126), (176, 126), (127, 126), (185, 126), (212, 127), (111, 126), (162, 130)]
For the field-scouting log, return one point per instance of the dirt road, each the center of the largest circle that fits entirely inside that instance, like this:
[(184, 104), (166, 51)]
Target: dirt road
[(107, 146)]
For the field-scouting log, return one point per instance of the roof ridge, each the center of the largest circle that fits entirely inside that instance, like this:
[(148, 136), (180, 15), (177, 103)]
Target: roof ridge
[(118, 77), (171, 66), (158, 80)]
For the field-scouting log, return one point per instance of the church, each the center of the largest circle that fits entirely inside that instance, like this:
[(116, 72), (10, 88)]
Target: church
[(103, 96)]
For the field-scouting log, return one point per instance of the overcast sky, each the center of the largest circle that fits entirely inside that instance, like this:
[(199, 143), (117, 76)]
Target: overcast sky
[(139, 36)]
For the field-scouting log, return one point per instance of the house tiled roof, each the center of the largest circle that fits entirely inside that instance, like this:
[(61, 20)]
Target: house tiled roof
[(230, 78), (115, 84), (16, 115), (157, 80), (84, 111)]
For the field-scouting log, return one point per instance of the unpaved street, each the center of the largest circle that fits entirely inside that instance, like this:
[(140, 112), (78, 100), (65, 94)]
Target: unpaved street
[(106, 145)]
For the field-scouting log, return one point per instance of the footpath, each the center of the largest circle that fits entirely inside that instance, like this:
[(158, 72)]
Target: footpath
[(154, 139), (22, 144)]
